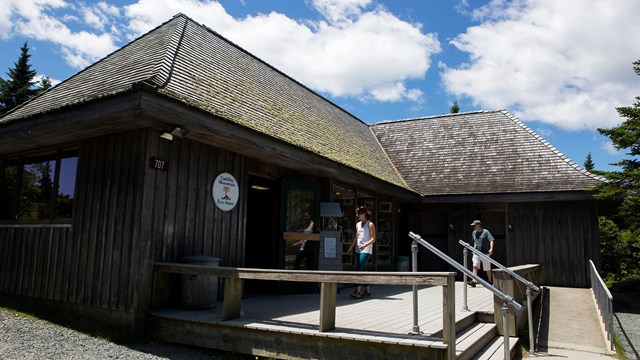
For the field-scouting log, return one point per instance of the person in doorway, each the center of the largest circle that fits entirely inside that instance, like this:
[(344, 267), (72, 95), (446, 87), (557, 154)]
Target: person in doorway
[(304, 250), (483, 241), (363, 241)]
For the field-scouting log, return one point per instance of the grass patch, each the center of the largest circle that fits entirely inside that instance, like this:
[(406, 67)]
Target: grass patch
[(622, 354)]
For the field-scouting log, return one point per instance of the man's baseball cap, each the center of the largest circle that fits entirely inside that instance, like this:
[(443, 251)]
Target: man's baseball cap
[(476, 222)]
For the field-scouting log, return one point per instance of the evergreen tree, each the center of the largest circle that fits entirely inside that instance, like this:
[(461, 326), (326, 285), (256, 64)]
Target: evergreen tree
[(19, 87), (588, 163), (624, 185), (455, 108)]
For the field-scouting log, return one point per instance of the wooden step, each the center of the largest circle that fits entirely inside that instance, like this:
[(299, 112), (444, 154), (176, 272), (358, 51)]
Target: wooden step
[(472, 339), (494, 350)]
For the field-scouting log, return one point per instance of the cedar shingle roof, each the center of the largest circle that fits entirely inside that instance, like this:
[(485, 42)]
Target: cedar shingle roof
[(483, 152), (194, 65)]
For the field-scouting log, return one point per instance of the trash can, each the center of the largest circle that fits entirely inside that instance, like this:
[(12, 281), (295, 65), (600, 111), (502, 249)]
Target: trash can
[(200, 291), (404, 263)]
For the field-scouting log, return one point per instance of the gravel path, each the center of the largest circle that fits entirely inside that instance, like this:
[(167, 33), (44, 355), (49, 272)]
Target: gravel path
[(626, 324), (23, 337)]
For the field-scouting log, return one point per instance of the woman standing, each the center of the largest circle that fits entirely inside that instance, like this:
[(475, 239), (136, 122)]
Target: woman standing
[(364, 238)]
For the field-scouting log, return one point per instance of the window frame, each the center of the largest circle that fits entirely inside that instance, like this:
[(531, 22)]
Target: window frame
[(19, 160)]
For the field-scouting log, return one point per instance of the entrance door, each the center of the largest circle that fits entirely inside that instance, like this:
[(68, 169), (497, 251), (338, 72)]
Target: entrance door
[(261, 249), (297, 199)]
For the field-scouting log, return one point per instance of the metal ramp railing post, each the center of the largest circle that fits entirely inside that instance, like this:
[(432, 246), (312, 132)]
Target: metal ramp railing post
[(465, 306), (414, 268), (530, 285)]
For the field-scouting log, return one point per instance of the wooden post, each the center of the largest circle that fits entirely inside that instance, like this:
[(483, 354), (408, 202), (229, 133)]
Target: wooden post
[(328, 293), (449, 316), (232, 297)]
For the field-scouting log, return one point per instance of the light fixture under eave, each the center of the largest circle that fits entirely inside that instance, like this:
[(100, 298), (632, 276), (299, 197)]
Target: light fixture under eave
[(176, 133), (258, 187)]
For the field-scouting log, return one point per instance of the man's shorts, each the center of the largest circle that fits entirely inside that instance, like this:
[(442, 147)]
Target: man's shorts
[(476, 260)]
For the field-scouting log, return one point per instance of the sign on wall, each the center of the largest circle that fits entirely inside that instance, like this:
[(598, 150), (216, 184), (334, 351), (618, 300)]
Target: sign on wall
[(225, 191)]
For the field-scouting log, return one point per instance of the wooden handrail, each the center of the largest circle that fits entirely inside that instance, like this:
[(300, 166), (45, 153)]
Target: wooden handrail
[(328, 288)]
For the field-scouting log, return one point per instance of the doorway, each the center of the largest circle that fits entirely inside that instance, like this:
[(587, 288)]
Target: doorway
[(261, 246)]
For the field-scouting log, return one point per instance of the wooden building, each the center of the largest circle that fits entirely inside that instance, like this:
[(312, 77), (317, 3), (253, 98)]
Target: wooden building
[(488, 165), (93, 193)]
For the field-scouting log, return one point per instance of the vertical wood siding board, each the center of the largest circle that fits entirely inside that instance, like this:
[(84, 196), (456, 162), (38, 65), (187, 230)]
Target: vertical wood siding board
[(582, 222), (142, 279), (57, 266), (128, 287), (242, 209), (202, 200), (12, 269), (209, 205), (31, 261), (51, 270), (96, 281), (230, 217), (119, 288), (42, 275), (192, 194), (221, 244), (94, 240), (88, 209), (121, 213), (169, 238), (5, 256), (181, 199), (111, 206)]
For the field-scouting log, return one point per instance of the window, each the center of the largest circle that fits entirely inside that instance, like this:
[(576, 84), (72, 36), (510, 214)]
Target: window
[(39, 188)]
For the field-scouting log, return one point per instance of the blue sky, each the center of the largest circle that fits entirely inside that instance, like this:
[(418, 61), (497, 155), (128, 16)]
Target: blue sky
[(560, 66)]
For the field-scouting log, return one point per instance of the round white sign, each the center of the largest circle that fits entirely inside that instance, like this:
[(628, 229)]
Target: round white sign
[(225, 191)]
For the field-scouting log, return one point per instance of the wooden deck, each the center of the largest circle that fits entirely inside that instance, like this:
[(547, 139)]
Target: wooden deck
[(287, 326)]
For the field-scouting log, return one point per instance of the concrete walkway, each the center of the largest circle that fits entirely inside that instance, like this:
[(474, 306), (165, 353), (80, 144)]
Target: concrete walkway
[(570, 326)]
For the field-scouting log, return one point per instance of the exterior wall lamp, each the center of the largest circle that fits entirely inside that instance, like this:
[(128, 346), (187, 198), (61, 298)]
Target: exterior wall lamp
[(510, 228), (175, 133)]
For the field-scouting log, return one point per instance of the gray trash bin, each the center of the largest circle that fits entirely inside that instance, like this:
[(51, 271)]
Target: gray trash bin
[(200, 291)]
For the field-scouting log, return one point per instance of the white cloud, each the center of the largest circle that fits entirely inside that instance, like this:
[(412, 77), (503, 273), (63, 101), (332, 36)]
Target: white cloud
[(39, 19), (609, 148), (357, 49), (363, 54), (566, 63)]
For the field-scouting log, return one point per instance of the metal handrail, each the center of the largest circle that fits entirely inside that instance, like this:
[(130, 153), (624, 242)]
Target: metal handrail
[(528, 283), (604, 299), (468, 272), (506, 299)]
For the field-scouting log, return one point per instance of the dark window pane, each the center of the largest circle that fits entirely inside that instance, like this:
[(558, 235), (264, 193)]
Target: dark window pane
[(9, 192), (66, 187), (37, 189)]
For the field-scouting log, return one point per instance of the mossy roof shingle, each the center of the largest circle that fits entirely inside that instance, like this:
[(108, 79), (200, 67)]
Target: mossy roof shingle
[(484, 152), (194, 65)]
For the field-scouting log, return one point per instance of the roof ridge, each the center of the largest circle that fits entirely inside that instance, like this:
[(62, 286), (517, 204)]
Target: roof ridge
[(168, 61), (435, 116), (553, 149)]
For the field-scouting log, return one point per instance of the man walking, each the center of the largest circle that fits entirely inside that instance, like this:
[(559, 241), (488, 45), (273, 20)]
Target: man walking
[(483, 241)]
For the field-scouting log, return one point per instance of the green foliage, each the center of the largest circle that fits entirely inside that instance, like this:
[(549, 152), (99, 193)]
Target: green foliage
[(20, 85), (620, 235), (588, 163), (455, 108)]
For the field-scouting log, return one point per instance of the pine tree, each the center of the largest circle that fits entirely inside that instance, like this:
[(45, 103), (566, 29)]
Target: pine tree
[(624, 185), (19, 87), (455, 108), (588, 163)]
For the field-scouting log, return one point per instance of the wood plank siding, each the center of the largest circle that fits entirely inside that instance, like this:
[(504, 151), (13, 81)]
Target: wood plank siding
[(559, 236), (126, 217)]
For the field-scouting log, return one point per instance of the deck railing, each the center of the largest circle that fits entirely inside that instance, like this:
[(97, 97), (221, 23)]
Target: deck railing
[(530, 287), (328, 280), (506, 299), (604, 299)]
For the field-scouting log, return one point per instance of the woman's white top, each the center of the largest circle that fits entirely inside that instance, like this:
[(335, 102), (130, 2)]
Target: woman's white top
[(364, 235), (307, 230)]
